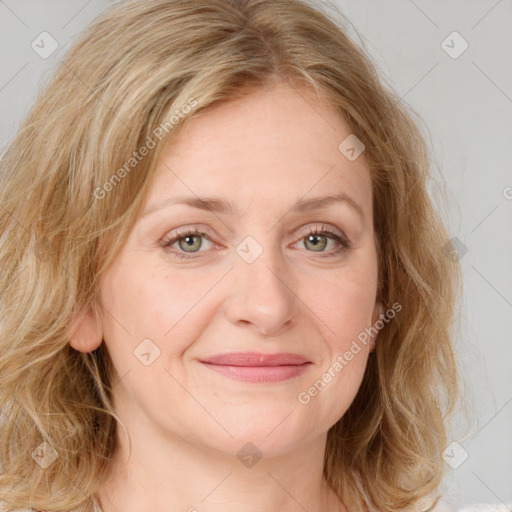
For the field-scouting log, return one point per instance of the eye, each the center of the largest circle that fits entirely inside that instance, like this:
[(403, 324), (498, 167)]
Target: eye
[(188, 240), (317, 239)]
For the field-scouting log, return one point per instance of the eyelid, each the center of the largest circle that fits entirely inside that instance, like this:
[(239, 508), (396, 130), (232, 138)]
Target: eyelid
[(321, 227), (193, 229), (171, 238), (303, 231), (328, 231)]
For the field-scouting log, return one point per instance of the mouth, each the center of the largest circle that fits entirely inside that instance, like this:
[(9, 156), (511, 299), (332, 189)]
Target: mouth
[(257, 367)]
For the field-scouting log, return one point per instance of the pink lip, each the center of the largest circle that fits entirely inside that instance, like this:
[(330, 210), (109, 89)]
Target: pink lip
[(256, 367)]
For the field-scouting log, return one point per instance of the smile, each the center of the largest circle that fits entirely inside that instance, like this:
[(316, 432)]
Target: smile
[(258, 368)]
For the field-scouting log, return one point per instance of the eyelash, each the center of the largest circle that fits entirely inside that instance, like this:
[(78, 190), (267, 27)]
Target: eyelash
[(344, 243)]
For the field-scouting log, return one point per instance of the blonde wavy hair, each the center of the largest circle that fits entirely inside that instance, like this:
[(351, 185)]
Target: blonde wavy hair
[(134, 68)]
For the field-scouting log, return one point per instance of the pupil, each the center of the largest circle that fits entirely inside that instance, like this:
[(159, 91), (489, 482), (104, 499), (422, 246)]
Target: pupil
[(314, 239), (189, 241)]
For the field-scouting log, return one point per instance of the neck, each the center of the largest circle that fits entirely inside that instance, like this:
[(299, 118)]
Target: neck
[(165, 472)]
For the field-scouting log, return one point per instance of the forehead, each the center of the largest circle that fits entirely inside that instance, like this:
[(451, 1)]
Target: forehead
[(273, 145)]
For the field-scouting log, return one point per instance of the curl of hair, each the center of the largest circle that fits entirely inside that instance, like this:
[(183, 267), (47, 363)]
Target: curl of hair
[(129, 72)]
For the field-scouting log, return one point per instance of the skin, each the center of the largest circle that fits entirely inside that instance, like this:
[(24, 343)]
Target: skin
[(262, 153)]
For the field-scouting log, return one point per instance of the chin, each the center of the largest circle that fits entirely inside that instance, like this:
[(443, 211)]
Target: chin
[(269, 435)]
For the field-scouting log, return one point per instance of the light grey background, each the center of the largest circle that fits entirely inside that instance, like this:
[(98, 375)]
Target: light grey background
[(466, 106)]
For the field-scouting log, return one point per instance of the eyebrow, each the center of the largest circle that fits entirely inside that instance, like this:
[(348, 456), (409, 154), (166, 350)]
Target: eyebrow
[(217, 205)]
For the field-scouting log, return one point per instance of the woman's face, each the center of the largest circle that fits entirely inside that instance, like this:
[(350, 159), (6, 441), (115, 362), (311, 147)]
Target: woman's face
[(267, 277)]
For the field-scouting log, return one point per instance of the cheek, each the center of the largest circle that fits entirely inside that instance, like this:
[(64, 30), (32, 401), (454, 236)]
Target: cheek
[(174, 300), (345, 309), (147, 297), (348, 306), (168, 308), (345, 305)]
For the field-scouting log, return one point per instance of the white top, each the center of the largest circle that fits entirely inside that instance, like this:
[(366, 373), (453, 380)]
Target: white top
[(483, 507), (479, 507)]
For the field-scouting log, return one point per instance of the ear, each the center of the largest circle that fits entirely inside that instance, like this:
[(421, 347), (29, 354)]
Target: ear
[(377, 312), (84, 331)]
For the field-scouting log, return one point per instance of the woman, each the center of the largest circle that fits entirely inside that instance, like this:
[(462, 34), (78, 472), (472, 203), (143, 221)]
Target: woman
[(170, 339)]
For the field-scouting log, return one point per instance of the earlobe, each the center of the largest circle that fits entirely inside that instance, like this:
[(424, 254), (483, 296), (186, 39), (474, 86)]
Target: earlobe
[(84, 332)]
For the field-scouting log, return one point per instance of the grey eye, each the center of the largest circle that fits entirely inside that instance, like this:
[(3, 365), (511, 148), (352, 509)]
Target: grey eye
[(317, 242), (192, 243)]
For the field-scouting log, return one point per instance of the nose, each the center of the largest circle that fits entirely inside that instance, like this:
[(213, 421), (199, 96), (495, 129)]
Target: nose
[(262, 295)]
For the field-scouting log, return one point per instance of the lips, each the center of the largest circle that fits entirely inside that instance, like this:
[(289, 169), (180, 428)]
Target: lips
[(256, 359), (256, 367)]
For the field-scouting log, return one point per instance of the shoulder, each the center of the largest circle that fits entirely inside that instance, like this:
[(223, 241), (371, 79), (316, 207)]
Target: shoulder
[(3, 509), (484, 507), (477, 507)]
